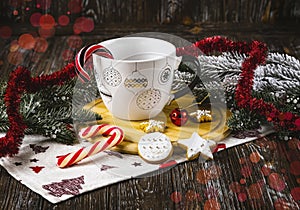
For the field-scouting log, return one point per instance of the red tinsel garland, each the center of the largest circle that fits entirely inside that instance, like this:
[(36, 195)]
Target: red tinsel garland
[(20, 81), (257, 53)]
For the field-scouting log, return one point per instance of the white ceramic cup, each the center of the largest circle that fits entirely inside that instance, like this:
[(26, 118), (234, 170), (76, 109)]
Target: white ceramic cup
[(136, 84)]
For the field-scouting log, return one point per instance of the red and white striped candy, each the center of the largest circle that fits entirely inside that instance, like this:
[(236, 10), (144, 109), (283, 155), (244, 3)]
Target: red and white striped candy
[(92, 131), (84, 54), (115, 137)]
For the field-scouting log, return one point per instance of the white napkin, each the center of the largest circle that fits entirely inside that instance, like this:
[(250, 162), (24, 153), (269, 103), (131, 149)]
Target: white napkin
[(35, 167)]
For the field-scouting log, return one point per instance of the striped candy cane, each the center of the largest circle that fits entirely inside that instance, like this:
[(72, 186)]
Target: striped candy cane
[(116, 136), (84, 54)]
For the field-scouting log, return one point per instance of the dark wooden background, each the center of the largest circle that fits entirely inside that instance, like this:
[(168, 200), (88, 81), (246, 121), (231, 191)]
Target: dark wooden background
[(272, 21), (161, 11)]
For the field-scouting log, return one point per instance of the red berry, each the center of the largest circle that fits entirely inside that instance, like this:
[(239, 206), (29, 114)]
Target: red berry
[(179, 116)]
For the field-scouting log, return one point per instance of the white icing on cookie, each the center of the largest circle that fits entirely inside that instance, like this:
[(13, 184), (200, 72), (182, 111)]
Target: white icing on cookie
[(155, 147), (196, 145)]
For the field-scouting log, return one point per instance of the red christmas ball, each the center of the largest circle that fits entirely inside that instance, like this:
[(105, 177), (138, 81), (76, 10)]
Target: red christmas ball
[(179, 116)]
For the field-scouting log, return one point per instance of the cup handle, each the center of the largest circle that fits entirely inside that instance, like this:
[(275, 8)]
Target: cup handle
[(196, 80)]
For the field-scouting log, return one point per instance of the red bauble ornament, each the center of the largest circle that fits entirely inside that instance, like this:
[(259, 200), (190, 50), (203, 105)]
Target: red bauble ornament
[(179, 116)]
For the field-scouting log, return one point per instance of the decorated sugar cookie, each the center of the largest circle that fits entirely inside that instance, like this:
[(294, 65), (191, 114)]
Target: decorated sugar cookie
[(201, 116), (155, 147), (153, 126)]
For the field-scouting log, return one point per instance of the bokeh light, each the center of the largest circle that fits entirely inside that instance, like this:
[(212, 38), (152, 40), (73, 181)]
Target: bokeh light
[(74, 41), (35, 19), (40, 16), (76, 29), (83, 24), (47, 21), (46, 33), (88, 25), (5, 32), (15, 12), (67, 55), (41, 44), (75, 6), (14, 46), (15, 58), (26, 41), (63, 20)]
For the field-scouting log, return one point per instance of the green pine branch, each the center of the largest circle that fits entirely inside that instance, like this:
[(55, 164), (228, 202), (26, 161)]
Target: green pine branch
[(52, 111), (277, 82)]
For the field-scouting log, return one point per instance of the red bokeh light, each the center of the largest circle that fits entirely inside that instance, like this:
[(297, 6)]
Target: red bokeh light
[(67, 55), (5, 32), (35, 19), (46, 33), (88, 25), (83, 24), (15, 12), (176, 197), (63, 20), (26, 41), (47, 21), (74, 41), (76, 29), (295, 192), (75, 6), (41, 44)]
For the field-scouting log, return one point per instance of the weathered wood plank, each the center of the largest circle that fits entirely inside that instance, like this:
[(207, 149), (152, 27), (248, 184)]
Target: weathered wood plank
[(148, 11)]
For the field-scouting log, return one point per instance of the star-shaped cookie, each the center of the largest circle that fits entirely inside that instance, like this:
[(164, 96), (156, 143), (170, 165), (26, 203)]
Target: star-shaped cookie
[(196, 145)]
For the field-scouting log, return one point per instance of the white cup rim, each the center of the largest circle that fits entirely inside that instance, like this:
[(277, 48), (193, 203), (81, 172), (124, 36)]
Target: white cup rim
[(171, 51)]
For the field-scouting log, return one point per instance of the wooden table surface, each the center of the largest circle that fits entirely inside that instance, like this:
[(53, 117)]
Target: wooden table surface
[(194, 184)]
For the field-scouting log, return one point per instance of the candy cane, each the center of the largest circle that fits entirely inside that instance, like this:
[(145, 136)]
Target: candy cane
[(116, 136), (84, 54)]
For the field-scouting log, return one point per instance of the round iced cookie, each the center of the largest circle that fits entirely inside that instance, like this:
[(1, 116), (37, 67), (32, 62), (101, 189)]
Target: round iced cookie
[(155, 147)]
